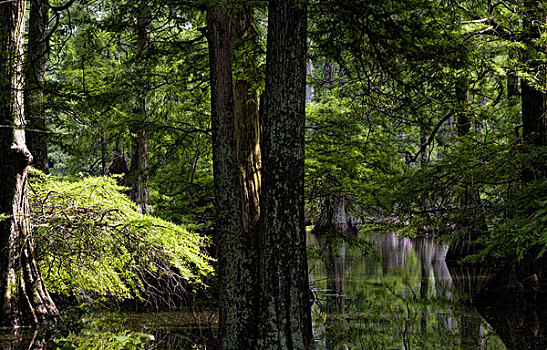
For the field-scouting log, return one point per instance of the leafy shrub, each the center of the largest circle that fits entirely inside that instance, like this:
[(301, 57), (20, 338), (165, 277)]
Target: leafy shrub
[(93, 244)]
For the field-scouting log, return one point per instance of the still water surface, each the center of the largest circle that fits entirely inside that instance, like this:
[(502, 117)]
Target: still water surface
[(402, 297), (407, 298)]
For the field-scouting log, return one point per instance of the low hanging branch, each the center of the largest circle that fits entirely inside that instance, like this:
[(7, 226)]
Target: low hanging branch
[(94, 244)]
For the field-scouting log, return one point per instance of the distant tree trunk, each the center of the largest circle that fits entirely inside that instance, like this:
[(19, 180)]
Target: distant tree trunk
[(333, 221), (23, 297), (534, 99), (139, 157), (332, 218), (284, 318), (35, 77), (139, 165), (512, 84), (424, 156), (237, 266), (463, 123), (534, 129), (471, 221)]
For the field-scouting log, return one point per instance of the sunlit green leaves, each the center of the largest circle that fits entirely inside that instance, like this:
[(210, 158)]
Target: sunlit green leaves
[(94, 244)]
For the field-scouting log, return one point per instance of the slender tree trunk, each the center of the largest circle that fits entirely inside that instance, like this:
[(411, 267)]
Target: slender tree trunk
[(236, 257), (35, 77), (23, 297), (285, 320), (512, 85), (139, 165), (463, 123), (471, 220), (139, 157)]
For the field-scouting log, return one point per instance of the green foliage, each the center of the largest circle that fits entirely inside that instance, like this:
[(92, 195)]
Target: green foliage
[(520, 226), (104, 86), (90, 340), (94, 244)]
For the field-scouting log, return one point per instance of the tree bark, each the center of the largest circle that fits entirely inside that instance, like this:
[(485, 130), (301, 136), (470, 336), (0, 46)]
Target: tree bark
[(237, 267), (139, 158), (285, 320), (248, 124), (35, 77), (23, 297)]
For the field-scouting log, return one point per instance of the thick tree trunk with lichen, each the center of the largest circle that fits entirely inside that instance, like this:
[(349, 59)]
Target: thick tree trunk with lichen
[(284, 318), (35, 77), (237, 267), (23, 297)]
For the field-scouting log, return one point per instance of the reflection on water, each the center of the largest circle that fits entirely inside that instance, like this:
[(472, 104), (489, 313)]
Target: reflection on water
[(407, 298), (18, 339), (402, 300)]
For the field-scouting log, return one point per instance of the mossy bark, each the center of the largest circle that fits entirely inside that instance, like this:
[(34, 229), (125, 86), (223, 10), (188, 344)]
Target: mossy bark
[(35, 77), (237, 266), (24, 299), (285, 321)]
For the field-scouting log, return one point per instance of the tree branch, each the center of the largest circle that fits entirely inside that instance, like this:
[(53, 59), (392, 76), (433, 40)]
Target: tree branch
[(431, 137)]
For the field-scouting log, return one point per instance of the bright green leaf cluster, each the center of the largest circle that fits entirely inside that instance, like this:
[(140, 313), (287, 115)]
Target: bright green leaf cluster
[(94, 244)]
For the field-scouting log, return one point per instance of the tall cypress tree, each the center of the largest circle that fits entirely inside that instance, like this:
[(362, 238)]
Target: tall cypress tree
[(285, 320), (35, 77), (236, 262), (24, 299)]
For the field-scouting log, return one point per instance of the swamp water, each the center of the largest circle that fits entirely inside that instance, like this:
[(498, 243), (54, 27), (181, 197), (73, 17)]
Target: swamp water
[(405, 297)]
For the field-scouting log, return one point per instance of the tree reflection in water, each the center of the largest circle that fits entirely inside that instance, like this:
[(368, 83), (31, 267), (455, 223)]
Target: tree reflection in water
[(404, 300), (20, 339)]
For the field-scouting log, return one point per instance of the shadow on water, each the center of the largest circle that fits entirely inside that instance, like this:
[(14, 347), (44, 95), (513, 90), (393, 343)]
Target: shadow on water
[(409, 299)]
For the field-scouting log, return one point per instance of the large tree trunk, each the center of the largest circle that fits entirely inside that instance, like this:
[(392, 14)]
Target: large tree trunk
[(23, 297), (35, 77), (285, 320), (237, 266)]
